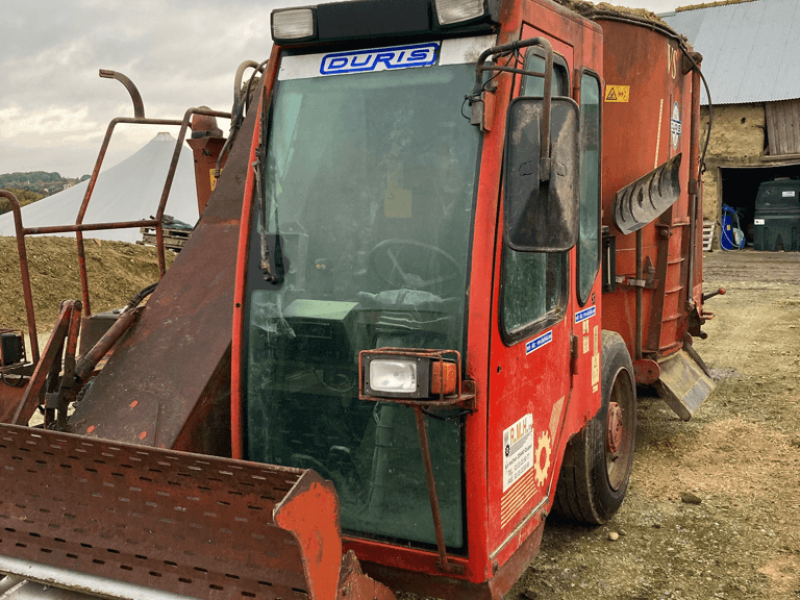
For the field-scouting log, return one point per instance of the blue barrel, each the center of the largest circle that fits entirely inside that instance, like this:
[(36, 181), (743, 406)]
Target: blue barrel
[(732, 236)]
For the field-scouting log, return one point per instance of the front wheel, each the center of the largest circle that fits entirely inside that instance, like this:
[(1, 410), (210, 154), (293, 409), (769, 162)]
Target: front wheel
[(598, 460)]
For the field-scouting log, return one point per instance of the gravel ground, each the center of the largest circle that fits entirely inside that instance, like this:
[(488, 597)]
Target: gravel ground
[(739, 457)]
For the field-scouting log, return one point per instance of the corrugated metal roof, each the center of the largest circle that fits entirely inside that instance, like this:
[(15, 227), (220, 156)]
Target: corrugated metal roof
[(749, 49)]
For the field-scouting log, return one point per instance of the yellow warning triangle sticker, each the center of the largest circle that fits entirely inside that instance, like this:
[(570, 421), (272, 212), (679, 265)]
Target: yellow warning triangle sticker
[(612, 95)]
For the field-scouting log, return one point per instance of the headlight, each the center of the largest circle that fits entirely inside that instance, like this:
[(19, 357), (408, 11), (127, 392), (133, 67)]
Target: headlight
[(292, 24), (407, 373), (450, 12), (393, 376)]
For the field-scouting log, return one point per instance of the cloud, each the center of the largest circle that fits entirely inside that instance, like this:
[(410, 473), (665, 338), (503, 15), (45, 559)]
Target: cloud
[(54, 108)]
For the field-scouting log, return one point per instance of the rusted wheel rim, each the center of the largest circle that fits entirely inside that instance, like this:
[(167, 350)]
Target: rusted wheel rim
[(614, 427), (619, 430)]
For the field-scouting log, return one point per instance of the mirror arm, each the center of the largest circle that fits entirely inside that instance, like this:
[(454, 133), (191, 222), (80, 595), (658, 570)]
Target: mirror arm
[(481, 68), (544, 172), (545, 163)]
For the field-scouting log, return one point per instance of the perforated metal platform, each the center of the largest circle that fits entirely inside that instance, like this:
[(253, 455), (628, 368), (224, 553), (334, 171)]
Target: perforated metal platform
[(185, 524)]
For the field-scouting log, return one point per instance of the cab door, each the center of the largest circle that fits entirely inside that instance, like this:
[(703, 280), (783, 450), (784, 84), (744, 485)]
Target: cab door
[(531, 351)]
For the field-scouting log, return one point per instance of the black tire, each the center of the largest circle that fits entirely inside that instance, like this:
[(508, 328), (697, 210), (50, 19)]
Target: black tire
[(596, 468)]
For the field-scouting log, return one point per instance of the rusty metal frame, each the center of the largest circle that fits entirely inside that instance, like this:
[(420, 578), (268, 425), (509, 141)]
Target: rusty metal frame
[(79, 227), (49, 363)]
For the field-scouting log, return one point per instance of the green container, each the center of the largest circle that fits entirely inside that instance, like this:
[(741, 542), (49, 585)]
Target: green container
[(776, 224)]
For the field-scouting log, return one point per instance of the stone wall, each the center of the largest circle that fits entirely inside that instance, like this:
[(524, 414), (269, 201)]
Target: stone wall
[(737, 139), (737, 133)]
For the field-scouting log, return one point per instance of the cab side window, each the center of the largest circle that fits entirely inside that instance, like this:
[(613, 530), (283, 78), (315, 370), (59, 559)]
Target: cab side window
[(589, 241), (534, 86), (534, 284)]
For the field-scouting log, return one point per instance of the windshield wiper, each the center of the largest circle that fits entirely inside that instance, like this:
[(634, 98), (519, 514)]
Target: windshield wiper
[(265, 265)]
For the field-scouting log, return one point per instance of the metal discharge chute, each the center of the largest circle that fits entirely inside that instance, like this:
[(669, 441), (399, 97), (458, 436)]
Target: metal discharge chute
[(648, 197)]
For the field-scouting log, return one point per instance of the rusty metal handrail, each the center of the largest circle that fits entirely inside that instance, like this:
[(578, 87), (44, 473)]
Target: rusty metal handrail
[(23, 266), (79, 227)]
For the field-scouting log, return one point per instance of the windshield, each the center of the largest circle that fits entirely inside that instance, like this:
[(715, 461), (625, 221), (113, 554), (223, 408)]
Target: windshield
[(366, 212)]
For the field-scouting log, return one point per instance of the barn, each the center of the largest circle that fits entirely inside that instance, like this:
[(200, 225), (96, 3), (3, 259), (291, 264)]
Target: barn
[(750, 61)]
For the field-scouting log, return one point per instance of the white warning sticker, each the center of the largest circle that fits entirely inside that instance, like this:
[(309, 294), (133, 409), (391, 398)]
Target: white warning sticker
[(517, 450), (675, 125)]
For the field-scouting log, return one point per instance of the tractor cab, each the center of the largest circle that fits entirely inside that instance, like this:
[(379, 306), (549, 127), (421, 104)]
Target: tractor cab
[(380, 269)]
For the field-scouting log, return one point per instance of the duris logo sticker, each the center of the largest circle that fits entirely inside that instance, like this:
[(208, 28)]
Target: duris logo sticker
[(380, 59)]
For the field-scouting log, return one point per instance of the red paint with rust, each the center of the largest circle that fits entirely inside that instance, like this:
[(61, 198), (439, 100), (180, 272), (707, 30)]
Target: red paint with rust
[(660, 120)]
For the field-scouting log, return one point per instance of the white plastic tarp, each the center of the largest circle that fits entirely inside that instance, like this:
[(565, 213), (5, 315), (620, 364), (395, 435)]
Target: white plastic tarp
[(128, 191)]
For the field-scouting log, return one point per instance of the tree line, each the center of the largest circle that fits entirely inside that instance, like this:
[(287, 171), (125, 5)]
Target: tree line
[(30, 187), (39, 182)]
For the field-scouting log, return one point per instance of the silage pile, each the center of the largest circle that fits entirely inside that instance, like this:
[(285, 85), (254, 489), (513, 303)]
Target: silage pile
[(116, 272)]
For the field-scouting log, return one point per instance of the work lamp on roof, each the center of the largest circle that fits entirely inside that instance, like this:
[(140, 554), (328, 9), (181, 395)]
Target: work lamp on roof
[(450, 12), (293, 24)]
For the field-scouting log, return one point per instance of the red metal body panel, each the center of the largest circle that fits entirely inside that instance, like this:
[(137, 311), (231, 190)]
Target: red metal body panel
[(240, 290), (638, 135), (540, 383)]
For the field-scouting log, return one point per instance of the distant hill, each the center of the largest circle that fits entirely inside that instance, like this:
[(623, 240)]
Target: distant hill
[(40, 182)]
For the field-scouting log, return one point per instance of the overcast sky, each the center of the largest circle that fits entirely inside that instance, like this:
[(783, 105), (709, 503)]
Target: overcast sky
[(54, 108)]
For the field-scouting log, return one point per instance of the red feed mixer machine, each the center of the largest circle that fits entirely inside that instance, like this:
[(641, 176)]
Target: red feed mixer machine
[(449, 239)]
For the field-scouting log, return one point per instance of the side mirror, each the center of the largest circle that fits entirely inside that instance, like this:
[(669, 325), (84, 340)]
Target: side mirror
[(541, 196)]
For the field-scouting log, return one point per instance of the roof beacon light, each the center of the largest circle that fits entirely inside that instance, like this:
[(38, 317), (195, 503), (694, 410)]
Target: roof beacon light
[(292, 24), (450, 12)]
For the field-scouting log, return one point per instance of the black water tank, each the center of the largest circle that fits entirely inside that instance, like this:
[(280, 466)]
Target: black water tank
[(776, 225)]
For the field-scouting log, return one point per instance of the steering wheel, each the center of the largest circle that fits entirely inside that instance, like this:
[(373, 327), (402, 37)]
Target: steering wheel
[(386, 256)]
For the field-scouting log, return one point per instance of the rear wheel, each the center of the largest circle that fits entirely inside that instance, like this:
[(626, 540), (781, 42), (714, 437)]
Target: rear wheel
[(598, 460)]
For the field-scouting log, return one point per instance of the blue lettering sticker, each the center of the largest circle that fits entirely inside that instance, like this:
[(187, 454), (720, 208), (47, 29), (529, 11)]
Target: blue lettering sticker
[(364, 61), (586, 313), (538, 342)]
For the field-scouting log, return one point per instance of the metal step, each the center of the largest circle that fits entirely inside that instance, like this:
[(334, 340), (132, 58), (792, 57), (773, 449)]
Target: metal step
[(683, 384)]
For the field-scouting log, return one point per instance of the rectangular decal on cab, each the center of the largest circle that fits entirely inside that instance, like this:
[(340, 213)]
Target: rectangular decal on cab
[(584, 314), (380, 59), (517, 450), (538, 342)]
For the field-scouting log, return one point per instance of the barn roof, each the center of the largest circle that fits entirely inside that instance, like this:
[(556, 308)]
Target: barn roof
[(749, 48)]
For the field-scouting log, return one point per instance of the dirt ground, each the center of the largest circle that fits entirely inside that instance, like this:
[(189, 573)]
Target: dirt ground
[(740, 454), (116, 272)]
